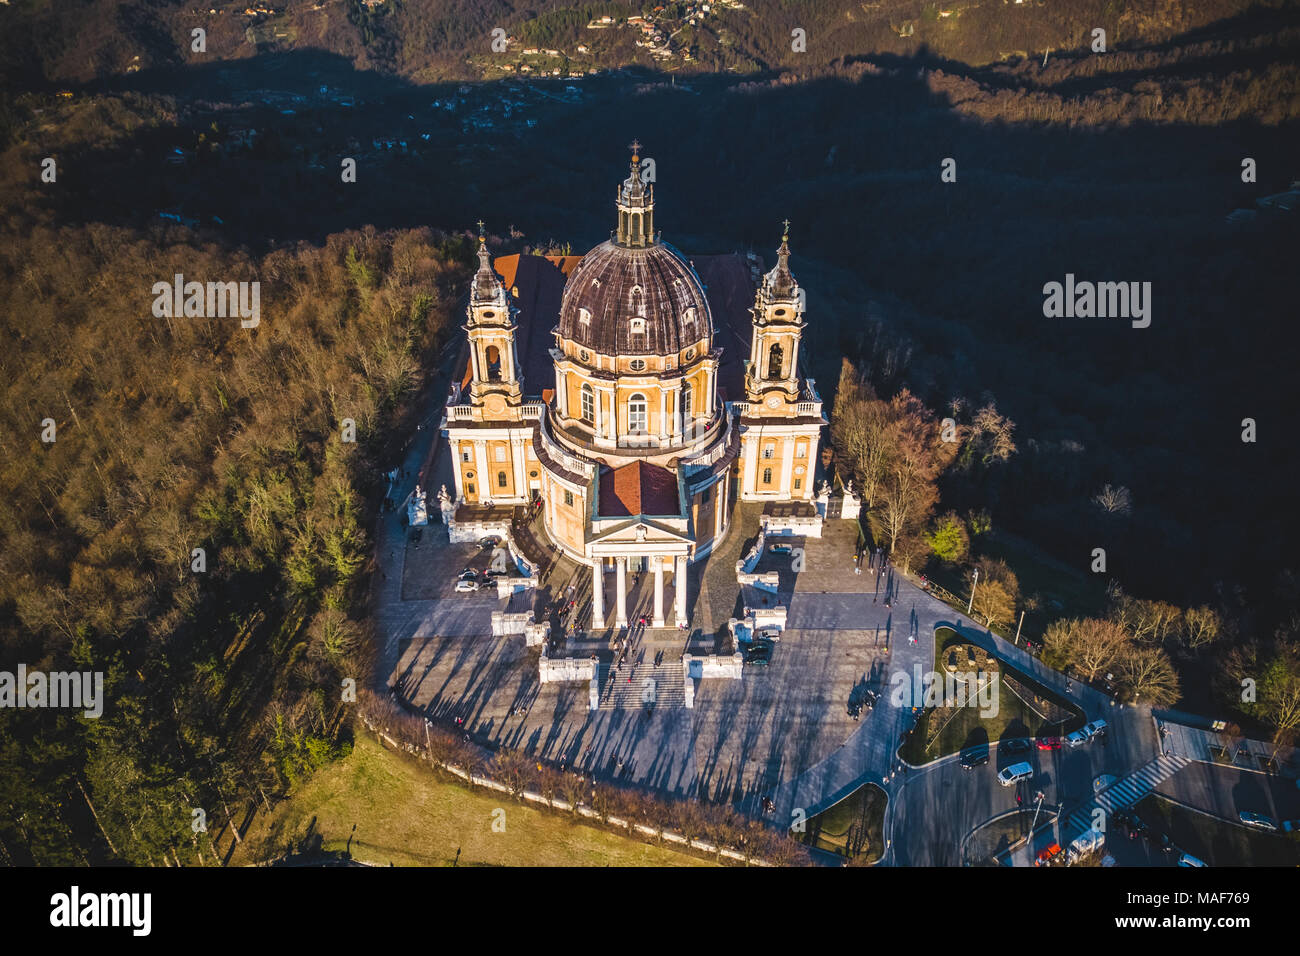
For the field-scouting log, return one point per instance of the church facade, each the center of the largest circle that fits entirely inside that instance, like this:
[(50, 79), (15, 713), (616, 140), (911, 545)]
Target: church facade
[(636, 454)]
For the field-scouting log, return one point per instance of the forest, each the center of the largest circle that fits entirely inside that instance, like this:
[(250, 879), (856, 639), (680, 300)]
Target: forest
[(226, 674)]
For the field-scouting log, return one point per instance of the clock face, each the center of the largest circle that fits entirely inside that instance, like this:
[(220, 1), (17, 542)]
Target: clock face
[(773, 401)]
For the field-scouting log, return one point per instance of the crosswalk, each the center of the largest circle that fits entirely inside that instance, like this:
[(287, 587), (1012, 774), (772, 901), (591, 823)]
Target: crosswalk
[(1126, 792)]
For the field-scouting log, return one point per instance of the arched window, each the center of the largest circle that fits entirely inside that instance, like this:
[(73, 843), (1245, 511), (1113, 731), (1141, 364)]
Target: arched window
[(686, 403), (588, 404), (493, 357), (775, 359), (501, 479), (767, 476), (637, 417)]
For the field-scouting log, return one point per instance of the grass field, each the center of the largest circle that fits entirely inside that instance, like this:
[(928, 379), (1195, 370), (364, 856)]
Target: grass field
[(854, 827), (387, 809), (1218, 842)]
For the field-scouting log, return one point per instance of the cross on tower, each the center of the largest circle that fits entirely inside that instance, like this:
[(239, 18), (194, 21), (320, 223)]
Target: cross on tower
[(480, 228), (786, 223), (635, 146)]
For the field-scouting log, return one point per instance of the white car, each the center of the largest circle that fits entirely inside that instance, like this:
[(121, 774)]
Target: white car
[(1252, 819), (1188, 860), (1015, 773), (1076, 739), (1094, 728), (467, 584)]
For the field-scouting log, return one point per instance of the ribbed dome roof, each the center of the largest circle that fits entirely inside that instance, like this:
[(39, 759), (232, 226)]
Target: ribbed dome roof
[(613, 285)]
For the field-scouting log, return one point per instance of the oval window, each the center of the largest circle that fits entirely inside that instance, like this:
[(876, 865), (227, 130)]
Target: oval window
[(584, 355), (533, 474), (637, 365), (690, 354)]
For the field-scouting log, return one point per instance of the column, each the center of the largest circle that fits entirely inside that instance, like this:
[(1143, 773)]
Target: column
[(787, 466), (598, 399), (613, 415), (597, 595), (679, 590), (659, 591), (621, 618), (663, 414), (562, 392), (481, 471), (677, 414)]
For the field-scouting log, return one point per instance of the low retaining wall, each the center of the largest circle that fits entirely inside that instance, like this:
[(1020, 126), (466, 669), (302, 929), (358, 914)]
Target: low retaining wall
[(713, 665), (552, 670), (809, 526), (767, 581)]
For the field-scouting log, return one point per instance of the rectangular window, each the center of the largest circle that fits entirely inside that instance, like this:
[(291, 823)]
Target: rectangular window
[(801, 450), (501, 479), (568, 499), (469, 488), (798, 483), (501, 452), (769, 451)]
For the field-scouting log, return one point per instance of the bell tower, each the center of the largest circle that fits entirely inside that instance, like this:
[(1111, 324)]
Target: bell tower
[(496, 382), (773, 377)]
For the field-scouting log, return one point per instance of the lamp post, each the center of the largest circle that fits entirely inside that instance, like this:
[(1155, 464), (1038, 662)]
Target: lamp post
[(971, 602)]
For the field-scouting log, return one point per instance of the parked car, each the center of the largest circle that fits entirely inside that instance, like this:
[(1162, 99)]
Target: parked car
[(779, 549), (759, 654), (769, 634), (1049, 743), (1095, 729), (491, 541), (1076, 739), (974, 757), (1252, 819), (1016, 745), (416, 535), (467, 584), (1015, 773), (1188, 860)]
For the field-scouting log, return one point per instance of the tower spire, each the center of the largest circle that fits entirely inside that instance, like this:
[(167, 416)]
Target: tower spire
[(636, 205), (779, 282)]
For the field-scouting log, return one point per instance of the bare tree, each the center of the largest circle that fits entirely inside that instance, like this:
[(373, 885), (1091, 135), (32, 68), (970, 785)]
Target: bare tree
[(1148, 674), (1114, 501), (1090, 645)]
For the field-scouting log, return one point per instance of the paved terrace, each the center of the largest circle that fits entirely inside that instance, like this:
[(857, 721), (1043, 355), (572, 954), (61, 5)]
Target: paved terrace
[(742, 740)]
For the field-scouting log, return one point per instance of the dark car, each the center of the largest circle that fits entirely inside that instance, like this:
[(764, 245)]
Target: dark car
[(974, 757), (760, 654), (1016, 745), (491, 541), (416, 535), (780, 549)]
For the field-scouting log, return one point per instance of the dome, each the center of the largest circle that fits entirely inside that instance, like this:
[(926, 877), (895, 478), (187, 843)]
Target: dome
[(623, 300)]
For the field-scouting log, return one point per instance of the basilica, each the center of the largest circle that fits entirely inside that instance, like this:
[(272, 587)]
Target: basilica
[(607, 391)]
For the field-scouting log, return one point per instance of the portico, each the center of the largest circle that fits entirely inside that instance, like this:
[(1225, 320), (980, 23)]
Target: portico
[(662, 557)]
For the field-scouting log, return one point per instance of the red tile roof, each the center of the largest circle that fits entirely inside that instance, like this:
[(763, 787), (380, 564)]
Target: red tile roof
[(636, 489)]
